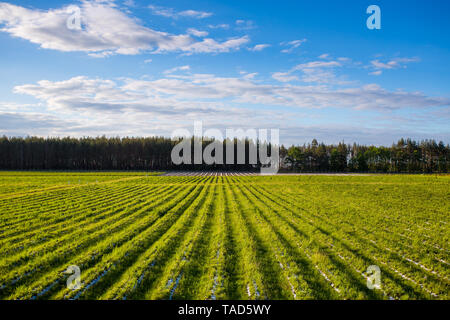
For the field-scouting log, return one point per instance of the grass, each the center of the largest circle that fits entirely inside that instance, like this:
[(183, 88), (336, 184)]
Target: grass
[(144, 236)]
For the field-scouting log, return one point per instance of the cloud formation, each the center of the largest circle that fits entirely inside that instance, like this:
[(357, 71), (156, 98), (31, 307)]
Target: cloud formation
[(284, 77), (127, 106), (259, 47), (313, 71), (171, 13), (292, 45), (219, 26), (203, 90), (175, 69), (105, 30), (197, 33), (396, 63), (245, 24)]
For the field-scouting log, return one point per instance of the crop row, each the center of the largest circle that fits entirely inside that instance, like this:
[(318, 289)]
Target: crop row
[(225, 237)]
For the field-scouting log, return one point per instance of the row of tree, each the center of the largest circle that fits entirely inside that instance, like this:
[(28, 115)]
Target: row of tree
[(154, 153), (101, 153), (407, 156)]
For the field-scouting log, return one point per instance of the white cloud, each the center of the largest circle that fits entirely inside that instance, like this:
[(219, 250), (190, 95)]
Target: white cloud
[(102, 54), (317, 64), (219, 26), (175, 69), (197, 33), (259, 47), (21, 123), (392, 64), (250, 76), (211, 46), (380, 65), (129, 3), (318, 76), (91, 106), (87, 106), (162, 11), (105, 31), (376, 73), (195, 14), (245, 25), (171, 13), (193, 91), (324, 56), (292, 45), (314, 71), (284, 77)]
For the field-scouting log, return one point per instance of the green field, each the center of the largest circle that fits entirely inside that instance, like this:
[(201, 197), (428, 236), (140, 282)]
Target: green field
[(143, 236)]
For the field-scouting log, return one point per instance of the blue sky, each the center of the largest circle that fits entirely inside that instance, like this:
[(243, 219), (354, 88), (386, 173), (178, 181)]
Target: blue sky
[(310, 68)]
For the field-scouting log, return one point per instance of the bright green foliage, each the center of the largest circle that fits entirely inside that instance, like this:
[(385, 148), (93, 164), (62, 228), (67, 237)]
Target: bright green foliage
[(144, 236)]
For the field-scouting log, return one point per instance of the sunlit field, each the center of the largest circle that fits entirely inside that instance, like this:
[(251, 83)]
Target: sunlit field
[(147, 236)]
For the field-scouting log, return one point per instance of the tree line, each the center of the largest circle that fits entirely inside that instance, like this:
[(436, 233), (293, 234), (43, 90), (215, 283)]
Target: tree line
[(154, 153), (406, 156)]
